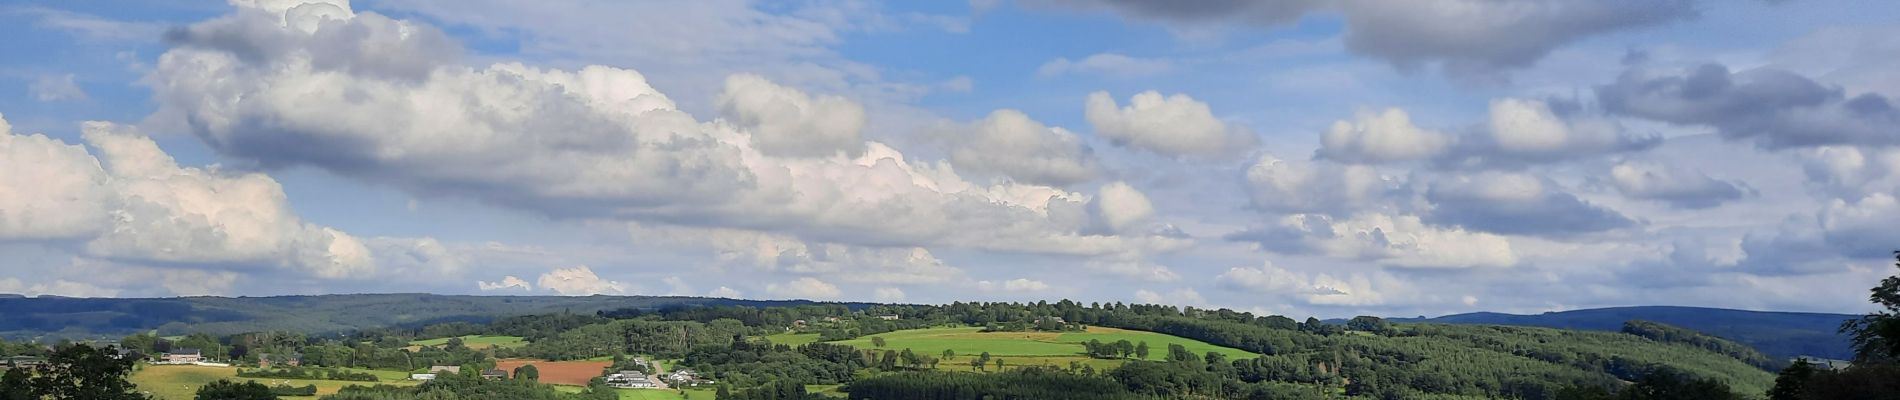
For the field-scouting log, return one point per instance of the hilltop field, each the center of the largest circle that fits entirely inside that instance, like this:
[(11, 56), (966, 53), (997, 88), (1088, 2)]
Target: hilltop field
[(1055, 349), (477, 342)]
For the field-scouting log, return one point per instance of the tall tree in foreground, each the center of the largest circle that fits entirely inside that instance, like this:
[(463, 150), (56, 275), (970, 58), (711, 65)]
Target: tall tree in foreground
[(1875, 373), (1877, 335), (84, 372)]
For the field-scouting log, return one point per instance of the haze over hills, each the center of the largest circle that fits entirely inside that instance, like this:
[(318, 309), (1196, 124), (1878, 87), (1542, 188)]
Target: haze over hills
[(1778, 334)]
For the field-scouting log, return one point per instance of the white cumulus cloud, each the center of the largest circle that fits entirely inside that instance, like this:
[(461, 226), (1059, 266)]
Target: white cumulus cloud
[(506, 282), (804, 288), (578, 281), (1176, 126)]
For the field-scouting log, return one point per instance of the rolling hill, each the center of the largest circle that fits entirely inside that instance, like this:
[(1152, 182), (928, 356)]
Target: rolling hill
[(53, 317), (1777, 334)]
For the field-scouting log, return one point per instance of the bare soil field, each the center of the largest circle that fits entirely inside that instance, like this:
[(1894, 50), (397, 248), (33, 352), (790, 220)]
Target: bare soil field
[(558, 372)]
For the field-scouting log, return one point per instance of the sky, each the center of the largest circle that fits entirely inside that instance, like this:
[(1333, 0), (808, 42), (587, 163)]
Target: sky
[(1328, 158)]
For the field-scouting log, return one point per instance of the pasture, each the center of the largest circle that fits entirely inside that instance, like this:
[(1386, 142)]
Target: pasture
[(1042, 348), (653, 394), (792, 339), (181, 382), (477, 342)]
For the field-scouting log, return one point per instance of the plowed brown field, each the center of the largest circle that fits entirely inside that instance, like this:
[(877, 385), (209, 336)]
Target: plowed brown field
[(558, 372)]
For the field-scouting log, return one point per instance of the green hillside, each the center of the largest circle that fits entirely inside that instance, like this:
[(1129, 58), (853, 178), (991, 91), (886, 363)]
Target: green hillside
[(971, 341)]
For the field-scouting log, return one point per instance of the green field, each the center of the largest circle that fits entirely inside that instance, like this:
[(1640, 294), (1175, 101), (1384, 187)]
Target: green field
[(476, 342), (1043, 348), (792, 339), (181, 382), (652, 394)]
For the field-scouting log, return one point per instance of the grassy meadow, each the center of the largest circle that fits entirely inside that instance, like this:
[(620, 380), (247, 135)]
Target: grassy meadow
[(1056, 349), (792, 339), (476, 342), (181, 382)]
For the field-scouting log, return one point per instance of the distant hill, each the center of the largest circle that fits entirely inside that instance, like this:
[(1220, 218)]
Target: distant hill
[(1777, 334), (54, 317)]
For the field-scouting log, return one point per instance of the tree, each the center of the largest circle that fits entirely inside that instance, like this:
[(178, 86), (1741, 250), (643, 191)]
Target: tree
[(949, 354), (722, 392), (1792, 381), (1669, 384), (17, 384), (83, 372), (1367, 323), (1141, 350), (999, 364), (528, 373), (227, 390), (1877, 335), (877, 341)]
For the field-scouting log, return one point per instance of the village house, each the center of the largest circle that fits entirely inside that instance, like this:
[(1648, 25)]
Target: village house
[(267, 360), (685, 376), (892, 317), (831, 319), (494, 374), (184, 356)]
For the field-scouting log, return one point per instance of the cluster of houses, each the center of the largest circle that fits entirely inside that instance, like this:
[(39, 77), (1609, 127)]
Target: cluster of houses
[(267, 360), (886, 317)]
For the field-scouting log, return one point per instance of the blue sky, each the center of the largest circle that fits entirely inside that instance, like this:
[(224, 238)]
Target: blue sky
[(1301, 157)]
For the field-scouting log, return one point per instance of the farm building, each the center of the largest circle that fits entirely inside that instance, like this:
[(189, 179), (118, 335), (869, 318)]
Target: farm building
[(184, 356), (630, 380), (441, 369), (495, 373), (421, 377)]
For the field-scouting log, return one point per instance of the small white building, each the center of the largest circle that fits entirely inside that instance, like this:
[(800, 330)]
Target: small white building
[(421, 377)]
